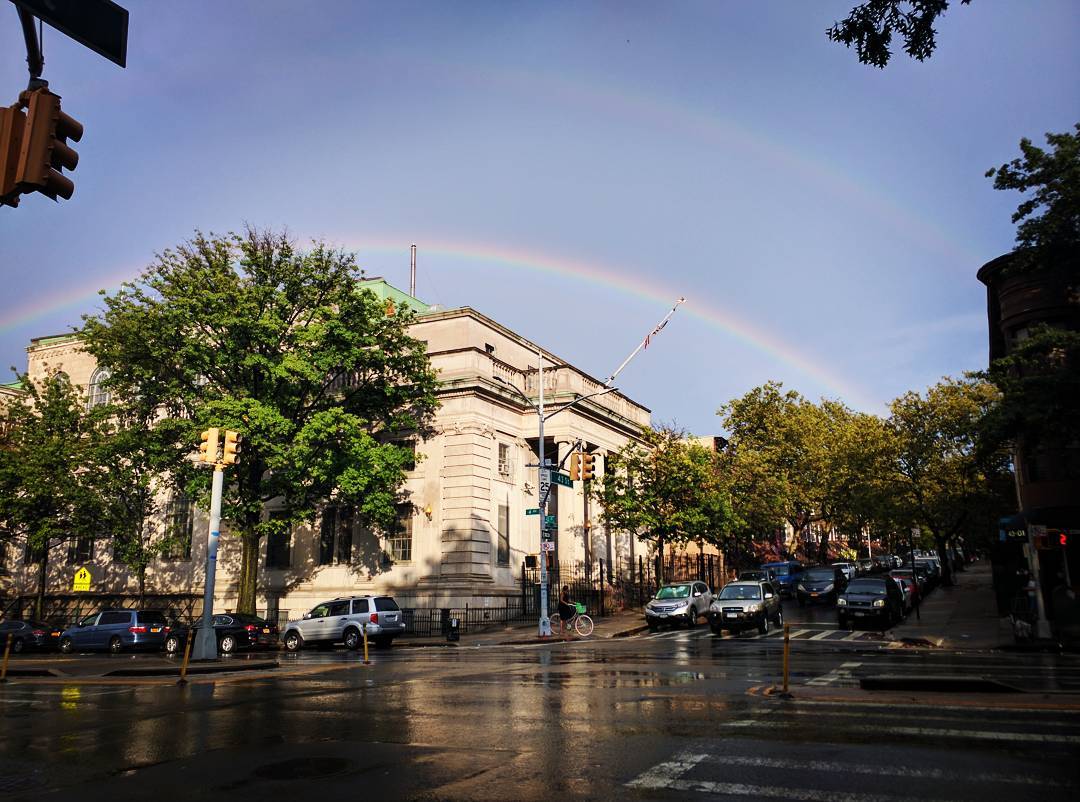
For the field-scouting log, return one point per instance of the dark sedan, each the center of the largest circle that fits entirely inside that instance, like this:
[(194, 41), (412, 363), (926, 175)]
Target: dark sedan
[(29, 636), (231, 635), (874, 600), (261, 633)]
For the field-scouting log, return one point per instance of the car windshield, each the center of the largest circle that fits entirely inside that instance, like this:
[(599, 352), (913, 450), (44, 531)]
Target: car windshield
[(819, 575), (778, 570), (741, 592), (674, 592), (867, 586)]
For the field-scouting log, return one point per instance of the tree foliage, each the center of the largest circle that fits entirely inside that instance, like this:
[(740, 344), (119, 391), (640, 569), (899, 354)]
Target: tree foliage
[(665, 489), (53, 483), (249, 333), (1048, 234), (871, 25)]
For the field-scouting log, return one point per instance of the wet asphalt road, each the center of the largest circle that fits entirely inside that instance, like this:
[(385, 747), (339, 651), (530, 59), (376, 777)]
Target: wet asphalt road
[(680, 715)]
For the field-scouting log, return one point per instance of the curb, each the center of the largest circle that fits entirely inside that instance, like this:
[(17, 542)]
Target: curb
[(193, 668)]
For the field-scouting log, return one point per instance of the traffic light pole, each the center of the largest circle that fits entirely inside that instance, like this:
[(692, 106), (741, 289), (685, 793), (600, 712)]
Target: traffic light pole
[(544, 489), (206, 642)]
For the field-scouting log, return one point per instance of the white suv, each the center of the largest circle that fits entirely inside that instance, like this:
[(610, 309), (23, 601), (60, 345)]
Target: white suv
[(343, 620)]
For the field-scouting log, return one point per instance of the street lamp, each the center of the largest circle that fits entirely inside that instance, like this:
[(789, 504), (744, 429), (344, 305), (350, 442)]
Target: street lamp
[(544, 475)]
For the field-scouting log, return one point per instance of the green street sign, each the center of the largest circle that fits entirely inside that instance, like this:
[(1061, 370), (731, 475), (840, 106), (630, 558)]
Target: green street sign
[(561, 479), (532, 511), (549, 521)]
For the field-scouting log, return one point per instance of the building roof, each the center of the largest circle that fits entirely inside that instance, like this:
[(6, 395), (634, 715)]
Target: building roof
[(388, 292)]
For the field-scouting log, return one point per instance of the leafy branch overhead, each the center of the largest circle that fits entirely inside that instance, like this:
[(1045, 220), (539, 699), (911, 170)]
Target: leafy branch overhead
[(870, 27)]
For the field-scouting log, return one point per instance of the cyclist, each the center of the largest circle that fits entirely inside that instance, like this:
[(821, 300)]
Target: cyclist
[(566, 609)]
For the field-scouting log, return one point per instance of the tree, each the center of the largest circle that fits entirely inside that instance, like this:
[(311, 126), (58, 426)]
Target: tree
[(52, 482), (320, 377), (1048, 234), (665, 489), (940, 480), (871, 25)]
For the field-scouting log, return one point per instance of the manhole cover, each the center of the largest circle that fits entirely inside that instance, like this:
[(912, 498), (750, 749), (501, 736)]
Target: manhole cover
[(302, 768)]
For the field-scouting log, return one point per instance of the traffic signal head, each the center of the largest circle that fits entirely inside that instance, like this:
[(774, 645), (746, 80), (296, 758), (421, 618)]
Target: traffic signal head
[(208, 449), (231, 450), (44, 151), (588, 464), (575, 466), (12, 125)]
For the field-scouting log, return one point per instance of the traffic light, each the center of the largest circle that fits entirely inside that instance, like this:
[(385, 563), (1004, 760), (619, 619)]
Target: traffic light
[(208, 449), (230, 452), (575, 466), (44, 151), (588, 465), (12, 124)]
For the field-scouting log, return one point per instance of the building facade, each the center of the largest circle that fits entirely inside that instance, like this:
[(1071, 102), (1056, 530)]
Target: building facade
[(464, 534)]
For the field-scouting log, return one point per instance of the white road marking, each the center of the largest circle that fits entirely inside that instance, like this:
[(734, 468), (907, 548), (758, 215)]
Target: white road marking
[(852, 635), (978, 735), (892, 705), (663, 773), (821, 635), (843, 672), (923, 714), (878, 769)]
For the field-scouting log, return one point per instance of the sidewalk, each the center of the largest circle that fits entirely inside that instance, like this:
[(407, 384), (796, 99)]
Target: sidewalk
[(963, 616), (616, 625)]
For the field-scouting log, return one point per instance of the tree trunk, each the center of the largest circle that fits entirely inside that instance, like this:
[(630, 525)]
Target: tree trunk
[(142, 584), (249, 572), (943, 557), (660, 562), (43, 570)]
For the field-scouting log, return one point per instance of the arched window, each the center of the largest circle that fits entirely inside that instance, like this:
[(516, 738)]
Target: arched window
[(97, 393)]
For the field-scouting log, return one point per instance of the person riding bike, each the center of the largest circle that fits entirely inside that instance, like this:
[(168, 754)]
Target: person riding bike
[(567, 610)]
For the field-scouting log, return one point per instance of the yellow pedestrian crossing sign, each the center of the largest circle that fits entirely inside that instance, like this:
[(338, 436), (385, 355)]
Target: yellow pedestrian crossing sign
[(82, 579)]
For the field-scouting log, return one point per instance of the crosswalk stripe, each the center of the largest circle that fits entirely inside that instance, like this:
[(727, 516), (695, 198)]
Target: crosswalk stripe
[(933, 732), (821, 635)]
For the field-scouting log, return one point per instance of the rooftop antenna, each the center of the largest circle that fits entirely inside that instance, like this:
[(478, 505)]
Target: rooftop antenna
[(412, 270)]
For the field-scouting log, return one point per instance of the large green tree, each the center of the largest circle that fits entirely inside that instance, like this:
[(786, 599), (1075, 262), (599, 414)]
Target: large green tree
[(53, 484), (320, 377), (665, 489)]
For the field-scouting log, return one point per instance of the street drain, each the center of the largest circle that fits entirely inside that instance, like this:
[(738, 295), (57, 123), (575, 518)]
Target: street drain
[(302, 768)]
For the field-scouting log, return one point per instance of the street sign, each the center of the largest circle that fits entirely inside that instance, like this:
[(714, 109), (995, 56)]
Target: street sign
[(532, 511), (549, 521), (562, 479), (100, 25), (82, 580), (547, 545)]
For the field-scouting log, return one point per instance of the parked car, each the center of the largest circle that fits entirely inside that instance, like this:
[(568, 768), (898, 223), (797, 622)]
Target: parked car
[(883, 562), (876, 600), (344, 620), (29, 636), (932, 566), (753, 575), (231, 635), (821, 583), (116, 630), (678, 603), (848, 569), (784, 575), (866, 565), (260, 632), (744, 605)]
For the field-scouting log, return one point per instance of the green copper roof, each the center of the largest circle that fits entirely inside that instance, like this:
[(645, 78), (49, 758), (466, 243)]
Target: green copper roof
[(387, 291)]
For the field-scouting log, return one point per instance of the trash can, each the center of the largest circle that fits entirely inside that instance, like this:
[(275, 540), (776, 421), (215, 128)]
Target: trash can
[(453, 631)]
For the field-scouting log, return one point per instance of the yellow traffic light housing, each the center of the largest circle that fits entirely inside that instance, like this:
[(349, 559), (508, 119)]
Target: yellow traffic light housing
[(588, 465), (208, 449), (575, 466), (44, 151), (12, 125), (231, 450)]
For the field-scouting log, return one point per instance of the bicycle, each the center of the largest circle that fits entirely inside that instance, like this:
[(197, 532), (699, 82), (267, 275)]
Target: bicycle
[(579, 623)]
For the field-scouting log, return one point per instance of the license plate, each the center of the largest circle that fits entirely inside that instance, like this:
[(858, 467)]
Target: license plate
[(266, 631), (731, 615), (813, 594), (155, 629)]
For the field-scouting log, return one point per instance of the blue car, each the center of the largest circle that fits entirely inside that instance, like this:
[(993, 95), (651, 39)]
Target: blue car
[(116, 630), (784, 575)]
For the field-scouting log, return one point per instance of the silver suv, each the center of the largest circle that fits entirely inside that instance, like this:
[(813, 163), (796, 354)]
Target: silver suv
[(343, 620), (743, 605), (678, 603)]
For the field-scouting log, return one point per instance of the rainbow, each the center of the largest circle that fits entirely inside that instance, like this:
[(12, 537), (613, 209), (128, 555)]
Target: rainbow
[(610, 278)]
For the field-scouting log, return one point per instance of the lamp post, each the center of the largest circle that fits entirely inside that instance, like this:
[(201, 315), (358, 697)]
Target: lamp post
[(544, 475)]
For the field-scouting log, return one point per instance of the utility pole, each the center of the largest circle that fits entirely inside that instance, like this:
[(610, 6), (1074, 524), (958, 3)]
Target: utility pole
[(544, 487)]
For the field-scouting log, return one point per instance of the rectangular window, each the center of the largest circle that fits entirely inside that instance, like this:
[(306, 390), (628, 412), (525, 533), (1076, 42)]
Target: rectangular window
[(179, 526), (326, 536), (504, 459), (504, 534), (81, 550), (399, 544), (335, 535), (359, 606), (31, 555), (279, 545)]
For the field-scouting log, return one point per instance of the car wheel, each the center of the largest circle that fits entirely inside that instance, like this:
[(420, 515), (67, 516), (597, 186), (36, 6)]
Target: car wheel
[(172, 644), (228, 644), (691, 619), (116, 646), (66, 646), (352, 639), (17, 646), (763, 627), (293, 642), (652, 625), (779, 617)]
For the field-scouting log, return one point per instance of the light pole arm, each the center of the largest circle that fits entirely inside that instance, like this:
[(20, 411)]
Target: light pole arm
[(577, 401)]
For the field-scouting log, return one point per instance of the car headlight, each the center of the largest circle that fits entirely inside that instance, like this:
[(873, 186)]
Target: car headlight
[(879, 602), (802, 587), (827, 588), (841, 602), (754, 608)]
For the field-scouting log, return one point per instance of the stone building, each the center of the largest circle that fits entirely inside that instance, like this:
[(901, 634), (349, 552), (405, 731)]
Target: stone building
[(464, 536)]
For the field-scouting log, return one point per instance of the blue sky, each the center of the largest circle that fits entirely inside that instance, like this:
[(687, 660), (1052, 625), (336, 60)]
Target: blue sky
[(570, 169)]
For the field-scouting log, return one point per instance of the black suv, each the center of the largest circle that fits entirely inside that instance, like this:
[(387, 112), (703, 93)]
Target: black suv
[(872, 599), (822, 583)]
